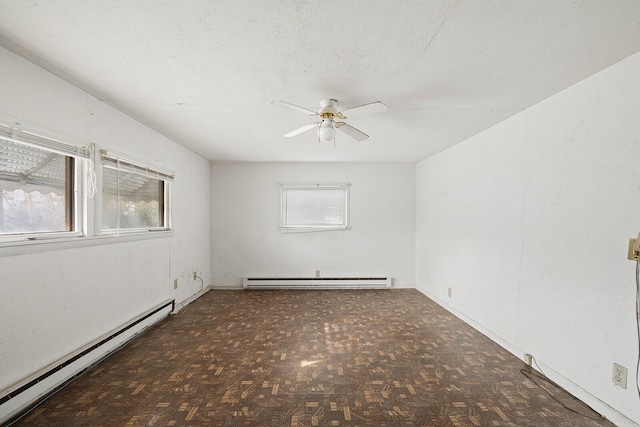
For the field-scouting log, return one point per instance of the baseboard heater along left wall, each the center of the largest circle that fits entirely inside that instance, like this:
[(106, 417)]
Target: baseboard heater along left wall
[(31, 391)]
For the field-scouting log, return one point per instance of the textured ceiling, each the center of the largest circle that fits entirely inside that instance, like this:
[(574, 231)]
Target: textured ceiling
[(204, 73)]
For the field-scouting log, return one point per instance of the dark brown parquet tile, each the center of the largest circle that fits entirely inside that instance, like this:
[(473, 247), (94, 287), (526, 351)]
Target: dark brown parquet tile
[(309, 358)]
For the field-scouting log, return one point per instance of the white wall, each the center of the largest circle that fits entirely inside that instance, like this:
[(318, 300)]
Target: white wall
[(53, 301), (528, 224), (245, 214)]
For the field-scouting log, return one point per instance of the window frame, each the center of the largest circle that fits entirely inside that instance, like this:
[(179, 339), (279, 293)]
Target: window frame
[(129, 165), (76, 155), (286, 227)]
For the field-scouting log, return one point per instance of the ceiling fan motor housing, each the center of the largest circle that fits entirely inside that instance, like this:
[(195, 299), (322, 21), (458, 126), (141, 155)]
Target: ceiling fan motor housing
[(328, 108)]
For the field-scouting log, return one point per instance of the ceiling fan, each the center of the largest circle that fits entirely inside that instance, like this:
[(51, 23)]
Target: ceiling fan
[(329, 116)]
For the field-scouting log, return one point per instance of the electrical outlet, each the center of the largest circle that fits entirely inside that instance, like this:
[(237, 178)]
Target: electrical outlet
[(632, 254), (528, 359), (195, 275), (175, 283), (449, 292), (619, 375)]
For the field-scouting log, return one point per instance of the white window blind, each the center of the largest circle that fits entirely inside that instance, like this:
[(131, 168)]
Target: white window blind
[(134, 196), (314, 207), (10, 134), (115, 162)]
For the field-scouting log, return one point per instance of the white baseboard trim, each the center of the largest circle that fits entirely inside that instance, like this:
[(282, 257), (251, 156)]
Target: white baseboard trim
[(182, 304), (240, 288), (598, 405), (227, 287)]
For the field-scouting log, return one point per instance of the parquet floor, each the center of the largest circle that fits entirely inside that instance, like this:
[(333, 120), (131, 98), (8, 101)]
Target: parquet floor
[(309, 358)]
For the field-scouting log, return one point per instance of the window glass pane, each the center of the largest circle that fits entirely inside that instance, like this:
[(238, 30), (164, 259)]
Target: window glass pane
[(135, 200), (35, 185)]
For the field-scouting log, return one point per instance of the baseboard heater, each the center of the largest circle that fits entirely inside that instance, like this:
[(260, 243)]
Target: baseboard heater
[(23, 396), (322, 283)]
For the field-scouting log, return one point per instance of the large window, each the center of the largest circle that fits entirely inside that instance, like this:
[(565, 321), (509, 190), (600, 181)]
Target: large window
[(314, 207), (134, 197), (38, 186), (51, 190)]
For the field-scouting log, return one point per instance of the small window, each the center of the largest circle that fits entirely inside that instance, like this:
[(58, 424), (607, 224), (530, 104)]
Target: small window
[(134, 197), (314, 207), (38, 192)]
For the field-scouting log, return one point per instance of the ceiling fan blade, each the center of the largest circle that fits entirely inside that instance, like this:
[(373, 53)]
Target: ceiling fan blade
[(299, 131), (352, 132), (372, 107), (294, 107)]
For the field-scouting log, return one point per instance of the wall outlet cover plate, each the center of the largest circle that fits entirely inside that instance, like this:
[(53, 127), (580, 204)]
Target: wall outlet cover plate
[(631, 254), (619, 375)]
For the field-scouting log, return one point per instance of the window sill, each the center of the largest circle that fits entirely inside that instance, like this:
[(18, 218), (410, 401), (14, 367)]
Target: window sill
[(286, 230), (25, 247)]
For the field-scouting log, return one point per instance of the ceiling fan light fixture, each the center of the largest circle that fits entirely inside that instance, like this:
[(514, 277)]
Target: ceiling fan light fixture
[(326, 130)]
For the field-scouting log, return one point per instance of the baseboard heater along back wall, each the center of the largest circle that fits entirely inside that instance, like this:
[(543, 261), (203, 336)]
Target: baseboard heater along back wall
[(319, 283)]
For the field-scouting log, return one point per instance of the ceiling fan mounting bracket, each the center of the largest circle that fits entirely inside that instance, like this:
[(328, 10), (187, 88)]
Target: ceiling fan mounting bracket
[(330, 102)]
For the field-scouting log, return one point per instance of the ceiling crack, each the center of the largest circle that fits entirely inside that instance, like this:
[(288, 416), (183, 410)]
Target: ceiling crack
[(438, 30), (434, 35)]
